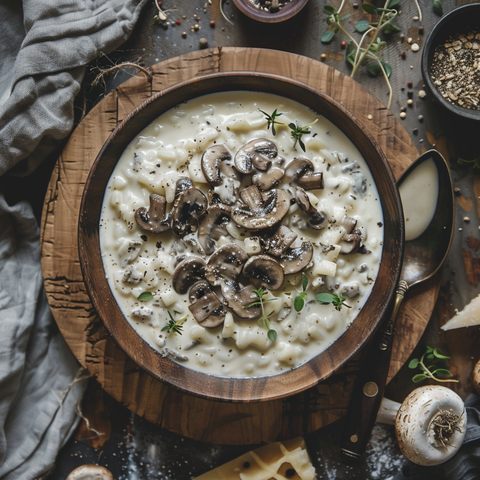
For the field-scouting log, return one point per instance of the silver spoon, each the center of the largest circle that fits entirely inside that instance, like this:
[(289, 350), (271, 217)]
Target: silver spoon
[(423, 257)]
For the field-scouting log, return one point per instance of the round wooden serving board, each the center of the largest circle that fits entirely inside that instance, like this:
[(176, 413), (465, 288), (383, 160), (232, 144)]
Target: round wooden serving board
[(218, 422)]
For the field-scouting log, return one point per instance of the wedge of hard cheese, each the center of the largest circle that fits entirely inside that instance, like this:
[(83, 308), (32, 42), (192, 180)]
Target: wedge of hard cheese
[(468, 317), (275, 461)]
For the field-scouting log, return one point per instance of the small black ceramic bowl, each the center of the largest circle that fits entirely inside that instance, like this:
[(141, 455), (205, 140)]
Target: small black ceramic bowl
[(464, 20)]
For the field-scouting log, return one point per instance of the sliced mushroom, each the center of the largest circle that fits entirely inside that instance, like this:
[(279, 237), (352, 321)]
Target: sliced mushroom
[(266, 270), (350, 243), (280, 241), (183, 184), (225, 264), (298, 167), (269, 179), (273, 207), (89, 472), (296, 259), (310, 181), (154, 220), (237, 299), (257, 153), (188, 272), (217, 162), (348, 223), (205, 306), (212, 226), (351, 289), (315, 218), (189, 205), (301, 171)]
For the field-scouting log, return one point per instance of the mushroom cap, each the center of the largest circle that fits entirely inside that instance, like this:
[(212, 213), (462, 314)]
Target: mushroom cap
[(188, 272), (237, 299), (154, 220), (274, 207), (266, 270), (256, 154), (225, 264), (415, 423), (217, 160), (90, 472), (189, 205), (296, 259), (212, 226), (205, 306)]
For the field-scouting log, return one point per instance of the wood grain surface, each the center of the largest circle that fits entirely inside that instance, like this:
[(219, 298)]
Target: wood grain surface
[(85, 334)]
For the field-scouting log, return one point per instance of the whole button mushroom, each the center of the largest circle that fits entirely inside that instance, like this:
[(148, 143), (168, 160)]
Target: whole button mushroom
[(90, 472), (430, 424)]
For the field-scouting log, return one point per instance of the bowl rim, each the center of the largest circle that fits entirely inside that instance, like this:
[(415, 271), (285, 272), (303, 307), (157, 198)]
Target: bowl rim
[(285, 13), (430, 45), (212, 387)]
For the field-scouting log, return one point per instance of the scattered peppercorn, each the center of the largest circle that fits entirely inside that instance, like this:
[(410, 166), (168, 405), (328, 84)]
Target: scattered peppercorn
[(457, 191), (196, 26), (203, 42), (415, 131), (105, 361), (422, 94), (420, 118), (355, 5), (420, 30), (178, 22), (343, 44), (410, 84), (466, 219), (323, 56), (184, 34), (403, 109), (403, 115), (410, 94), (403, 55), (409, 102), (402, 37), (212, 23)]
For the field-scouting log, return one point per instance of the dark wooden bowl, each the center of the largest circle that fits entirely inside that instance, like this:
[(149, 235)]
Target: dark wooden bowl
[(459, 20), (288, 11), (224, 388)]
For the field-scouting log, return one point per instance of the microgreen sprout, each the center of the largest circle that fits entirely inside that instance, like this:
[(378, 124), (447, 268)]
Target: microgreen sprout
[(338, 301), (296, 130), (264, 320), (173, 325), (359, 53), (436, 368), (301, 298)]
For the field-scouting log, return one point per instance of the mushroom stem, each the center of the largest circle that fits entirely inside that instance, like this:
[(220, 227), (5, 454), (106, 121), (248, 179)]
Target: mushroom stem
[(388, 411)]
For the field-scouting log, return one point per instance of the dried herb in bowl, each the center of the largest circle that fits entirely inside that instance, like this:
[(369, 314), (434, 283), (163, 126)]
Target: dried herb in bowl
[(455, 69)]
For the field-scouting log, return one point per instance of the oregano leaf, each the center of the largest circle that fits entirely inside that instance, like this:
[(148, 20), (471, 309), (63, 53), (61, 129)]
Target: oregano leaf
[(145, 296), (272, 335), (419, 377), (438, 7), (413, 363), (369, 8), (327, 37), (329, 9), (362, 26)]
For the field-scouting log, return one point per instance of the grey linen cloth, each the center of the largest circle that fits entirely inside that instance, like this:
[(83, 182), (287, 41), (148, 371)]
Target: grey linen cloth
[(44, 47)]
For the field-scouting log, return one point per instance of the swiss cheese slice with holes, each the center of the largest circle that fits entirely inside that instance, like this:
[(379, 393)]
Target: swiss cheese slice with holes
[(468, 317), (276, 461)]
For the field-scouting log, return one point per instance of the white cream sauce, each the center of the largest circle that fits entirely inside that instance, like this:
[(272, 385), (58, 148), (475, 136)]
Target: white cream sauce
[(419, 194), (136, 262)]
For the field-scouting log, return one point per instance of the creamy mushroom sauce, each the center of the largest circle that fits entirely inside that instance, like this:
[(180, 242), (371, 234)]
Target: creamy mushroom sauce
[(136, 261)]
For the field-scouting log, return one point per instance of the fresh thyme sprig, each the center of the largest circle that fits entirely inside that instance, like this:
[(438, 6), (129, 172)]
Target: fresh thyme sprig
[(173, 325), (338, 301), (260, 292), (300, 299), (357, 54), (437, 366), (296, 131)]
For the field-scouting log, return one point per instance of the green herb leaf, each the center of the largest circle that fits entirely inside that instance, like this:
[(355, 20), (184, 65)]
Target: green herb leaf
[(145, 296), (393, 3), (391, 28), (327, 37), (329, 9), (154, 19), (272, 335), (325, 297), (413, 363), (438, 7), (304, 281), (173, 325), (369, 8), (374, 70), (362, 26), (298, 303), (419, 377), (444, 373), (439, 355)]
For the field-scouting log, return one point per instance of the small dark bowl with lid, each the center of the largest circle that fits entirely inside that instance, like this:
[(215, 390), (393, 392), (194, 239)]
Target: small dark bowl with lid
[(256, 10), (462, 20)]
